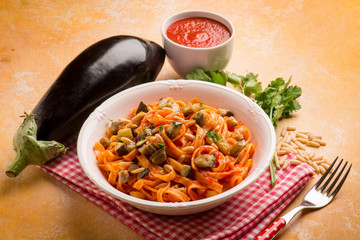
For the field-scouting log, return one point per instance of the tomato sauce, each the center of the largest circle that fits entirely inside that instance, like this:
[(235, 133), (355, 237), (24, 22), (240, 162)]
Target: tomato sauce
[(198, 32)]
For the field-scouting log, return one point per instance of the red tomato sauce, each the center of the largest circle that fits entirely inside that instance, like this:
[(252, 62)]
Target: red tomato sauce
[(198, 32)]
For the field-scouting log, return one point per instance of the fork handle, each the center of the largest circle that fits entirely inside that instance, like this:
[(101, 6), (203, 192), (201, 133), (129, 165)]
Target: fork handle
[(272, 230)]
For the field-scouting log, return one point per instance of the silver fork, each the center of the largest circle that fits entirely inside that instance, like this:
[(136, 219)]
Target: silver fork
[(317, 197)]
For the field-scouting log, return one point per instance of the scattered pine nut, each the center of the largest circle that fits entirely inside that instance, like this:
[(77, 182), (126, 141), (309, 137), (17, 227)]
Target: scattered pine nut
[(300, 158), (281, 152), (325, 165), (317, 170), (282, 160), (321, 142), (322, 169), (300, 145), (313, 144), (311, 154), (300, 135), (317, 158), (318, 162), (300, 142), (286, 164), (294, 162), (312, 136), (290, 128)]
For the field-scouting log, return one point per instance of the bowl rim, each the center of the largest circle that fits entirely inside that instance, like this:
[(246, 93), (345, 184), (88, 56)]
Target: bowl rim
[(170, 205), (194, 13)]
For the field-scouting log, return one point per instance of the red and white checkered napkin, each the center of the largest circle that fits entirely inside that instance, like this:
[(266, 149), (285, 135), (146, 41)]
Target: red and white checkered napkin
[(242, 217)]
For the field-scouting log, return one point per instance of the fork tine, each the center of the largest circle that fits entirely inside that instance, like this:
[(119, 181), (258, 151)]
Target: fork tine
[(341, 183), (331, 176), (336, 179), (325, 174)]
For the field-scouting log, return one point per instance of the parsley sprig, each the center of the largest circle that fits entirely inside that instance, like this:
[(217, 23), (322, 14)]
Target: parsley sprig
[(248, 84)]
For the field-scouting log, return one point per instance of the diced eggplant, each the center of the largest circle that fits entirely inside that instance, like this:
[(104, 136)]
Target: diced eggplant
[(105, 141), (237, 147), (116, 126), (223, 146), (130, 146), (185, 170), (168, 103), (191, 108), (133, 167), (225, 112), (231, 122), (144, 133), (147, 149), (205, 161), (173, 129), (126, 132), (159, 157), (200, 118), (120, 149), (124, 176), (144, 173), (142, 108)]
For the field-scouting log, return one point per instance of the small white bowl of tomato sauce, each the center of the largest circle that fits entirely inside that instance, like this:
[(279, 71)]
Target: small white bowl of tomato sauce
[(197, 39)]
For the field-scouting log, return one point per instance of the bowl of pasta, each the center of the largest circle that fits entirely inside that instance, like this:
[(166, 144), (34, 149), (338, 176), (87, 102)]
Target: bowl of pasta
[(176, 147)]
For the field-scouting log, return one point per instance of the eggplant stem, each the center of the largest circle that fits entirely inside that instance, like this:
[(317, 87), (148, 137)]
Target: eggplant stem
[(20, 163)]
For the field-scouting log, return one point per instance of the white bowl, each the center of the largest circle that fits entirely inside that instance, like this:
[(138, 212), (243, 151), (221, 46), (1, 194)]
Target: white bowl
[(119, 105), (185, 60)]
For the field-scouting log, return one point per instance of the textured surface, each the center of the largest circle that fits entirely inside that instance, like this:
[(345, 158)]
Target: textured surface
[(315, 42)]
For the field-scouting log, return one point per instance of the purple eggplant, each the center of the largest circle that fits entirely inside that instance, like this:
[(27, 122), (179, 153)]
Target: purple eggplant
[(100, 71)]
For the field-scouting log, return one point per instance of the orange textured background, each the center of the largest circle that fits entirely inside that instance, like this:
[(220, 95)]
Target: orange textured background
[(315, 42)]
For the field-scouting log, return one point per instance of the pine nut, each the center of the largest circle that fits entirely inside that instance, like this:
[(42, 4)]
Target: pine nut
[(294, 162), (300, 158), (189, 136), (302, 140), (188, 149), (317, 158), (138, 170), (283, 131), (281, 152), (300, 135), (325, 165), (300, 145), (322, 169), (321, 142), (290, 128), (313, 144), (286, 164), (282, 160)]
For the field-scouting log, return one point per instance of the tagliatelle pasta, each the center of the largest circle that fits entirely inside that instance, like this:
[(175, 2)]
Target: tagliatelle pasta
[(172, 151)]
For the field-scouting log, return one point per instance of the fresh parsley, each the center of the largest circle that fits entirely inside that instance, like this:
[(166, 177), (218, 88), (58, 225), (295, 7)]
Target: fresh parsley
[(248, 84), (213, 135), (278, 100), (161, 127)]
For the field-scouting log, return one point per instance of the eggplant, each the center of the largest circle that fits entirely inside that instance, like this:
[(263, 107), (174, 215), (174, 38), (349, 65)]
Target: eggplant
[(100, 71)]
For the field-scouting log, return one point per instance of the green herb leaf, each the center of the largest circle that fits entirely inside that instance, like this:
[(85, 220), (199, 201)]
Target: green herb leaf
[(161, 127), (213, 135), (278, 99), (249, 84), (198, 74)]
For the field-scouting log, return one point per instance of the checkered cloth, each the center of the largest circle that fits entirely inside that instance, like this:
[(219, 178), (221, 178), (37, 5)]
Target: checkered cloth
[(244, 216)]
